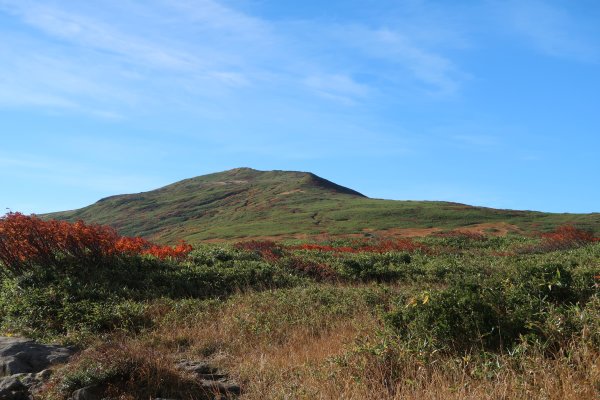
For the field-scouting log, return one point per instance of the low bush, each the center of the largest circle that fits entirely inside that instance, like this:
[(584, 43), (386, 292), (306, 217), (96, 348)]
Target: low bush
[(374, 267), (365, 246), (41, 303), (267, 250), (316, 270), (492, 314)]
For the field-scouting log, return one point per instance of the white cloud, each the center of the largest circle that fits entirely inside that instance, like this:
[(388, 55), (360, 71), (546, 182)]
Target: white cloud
[(337, 87), (401, 56), (427, 66), (189, 53), (88, 32), (550, 29), (213, 16)]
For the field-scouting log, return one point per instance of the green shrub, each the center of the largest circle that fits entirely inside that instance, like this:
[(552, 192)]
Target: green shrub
[(102, 298), (458, 319), (374, 267), (59, 308), (539, 303)]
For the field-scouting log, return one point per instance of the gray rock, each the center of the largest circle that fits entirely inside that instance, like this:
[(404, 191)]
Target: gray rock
[(220, 387), (88, 393), (11, 395), (196, 367), (12, 388), (19, 355), (210, 379), (12, 383), (21, 386), (24, 366)]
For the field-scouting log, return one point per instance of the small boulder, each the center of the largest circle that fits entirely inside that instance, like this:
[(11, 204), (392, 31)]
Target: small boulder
[(93, 392), (11, 383), (24, 366), (212, 382), (196, 367), (11, 388), (20, 355)]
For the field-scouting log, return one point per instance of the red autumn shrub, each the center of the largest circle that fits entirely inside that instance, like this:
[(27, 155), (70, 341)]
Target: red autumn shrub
[(568, 236), (562, 238), (318, 271), (29, 240), (268, 250), (137, 245)]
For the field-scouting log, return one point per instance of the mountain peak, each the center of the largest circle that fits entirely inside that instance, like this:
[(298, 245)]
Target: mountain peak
[(271, 181), (227, 197)]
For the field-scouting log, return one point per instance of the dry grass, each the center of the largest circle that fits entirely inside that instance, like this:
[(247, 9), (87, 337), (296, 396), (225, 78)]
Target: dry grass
[(324, 360), (290, 347)]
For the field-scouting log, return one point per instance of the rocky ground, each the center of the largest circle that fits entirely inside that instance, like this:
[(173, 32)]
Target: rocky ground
[(26, 365)]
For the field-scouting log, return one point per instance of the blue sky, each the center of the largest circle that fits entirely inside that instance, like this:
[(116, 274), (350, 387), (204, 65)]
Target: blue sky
[(492, 103)]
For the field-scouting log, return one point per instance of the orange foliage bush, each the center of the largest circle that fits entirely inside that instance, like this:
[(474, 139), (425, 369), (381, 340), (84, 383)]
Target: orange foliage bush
[(562, 238), (268, 250), (318, 271), (28, 240), (568, 235)]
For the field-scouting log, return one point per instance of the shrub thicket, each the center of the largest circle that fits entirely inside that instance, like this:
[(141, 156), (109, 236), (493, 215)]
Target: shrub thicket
[(28, 241)]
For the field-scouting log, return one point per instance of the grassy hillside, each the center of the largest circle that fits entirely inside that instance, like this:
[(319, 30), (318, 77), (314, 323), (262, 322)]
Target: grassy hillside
[(248, 203)]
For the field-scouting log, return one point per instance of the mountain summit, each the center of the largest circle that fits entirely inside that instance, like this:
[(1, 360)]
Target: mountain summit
[(192, 207), (245, 202)]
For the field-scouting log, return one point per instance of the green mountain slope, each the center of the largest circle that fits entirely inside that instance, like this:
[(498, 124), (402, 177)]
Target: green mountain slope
[(248, 203)]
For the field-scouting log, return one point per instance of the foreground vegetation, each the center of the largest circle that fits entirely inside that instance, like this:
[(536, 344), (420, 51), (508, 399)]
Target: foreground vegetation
[(456, 315)]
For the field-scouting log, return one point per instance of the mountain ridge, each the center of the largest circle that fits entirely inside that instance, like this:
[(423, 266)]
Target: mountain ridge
[(246, 203)]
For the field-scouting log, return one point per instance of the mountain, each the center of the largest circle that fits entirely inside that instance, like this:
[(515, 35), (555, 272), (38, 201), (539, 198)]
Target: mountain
[(244, 202)]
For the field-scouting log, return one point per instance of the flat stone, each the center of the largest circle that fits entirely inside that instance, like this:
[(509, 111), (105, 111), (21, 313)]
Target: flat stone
[(12, 383), (20, 355), (12, 388), (197, 367), (221, 387), (212, 377)]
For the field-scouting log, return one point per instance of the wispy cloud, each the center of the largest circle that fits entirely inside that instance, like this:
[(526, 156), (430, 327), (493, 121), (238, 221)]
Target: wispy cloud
[(193, 50), (210, 15), (88, 32), (74, 174), (551, 29), (390, 56), (337, 87), (48, 79), (437, 72), (104, 69)]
